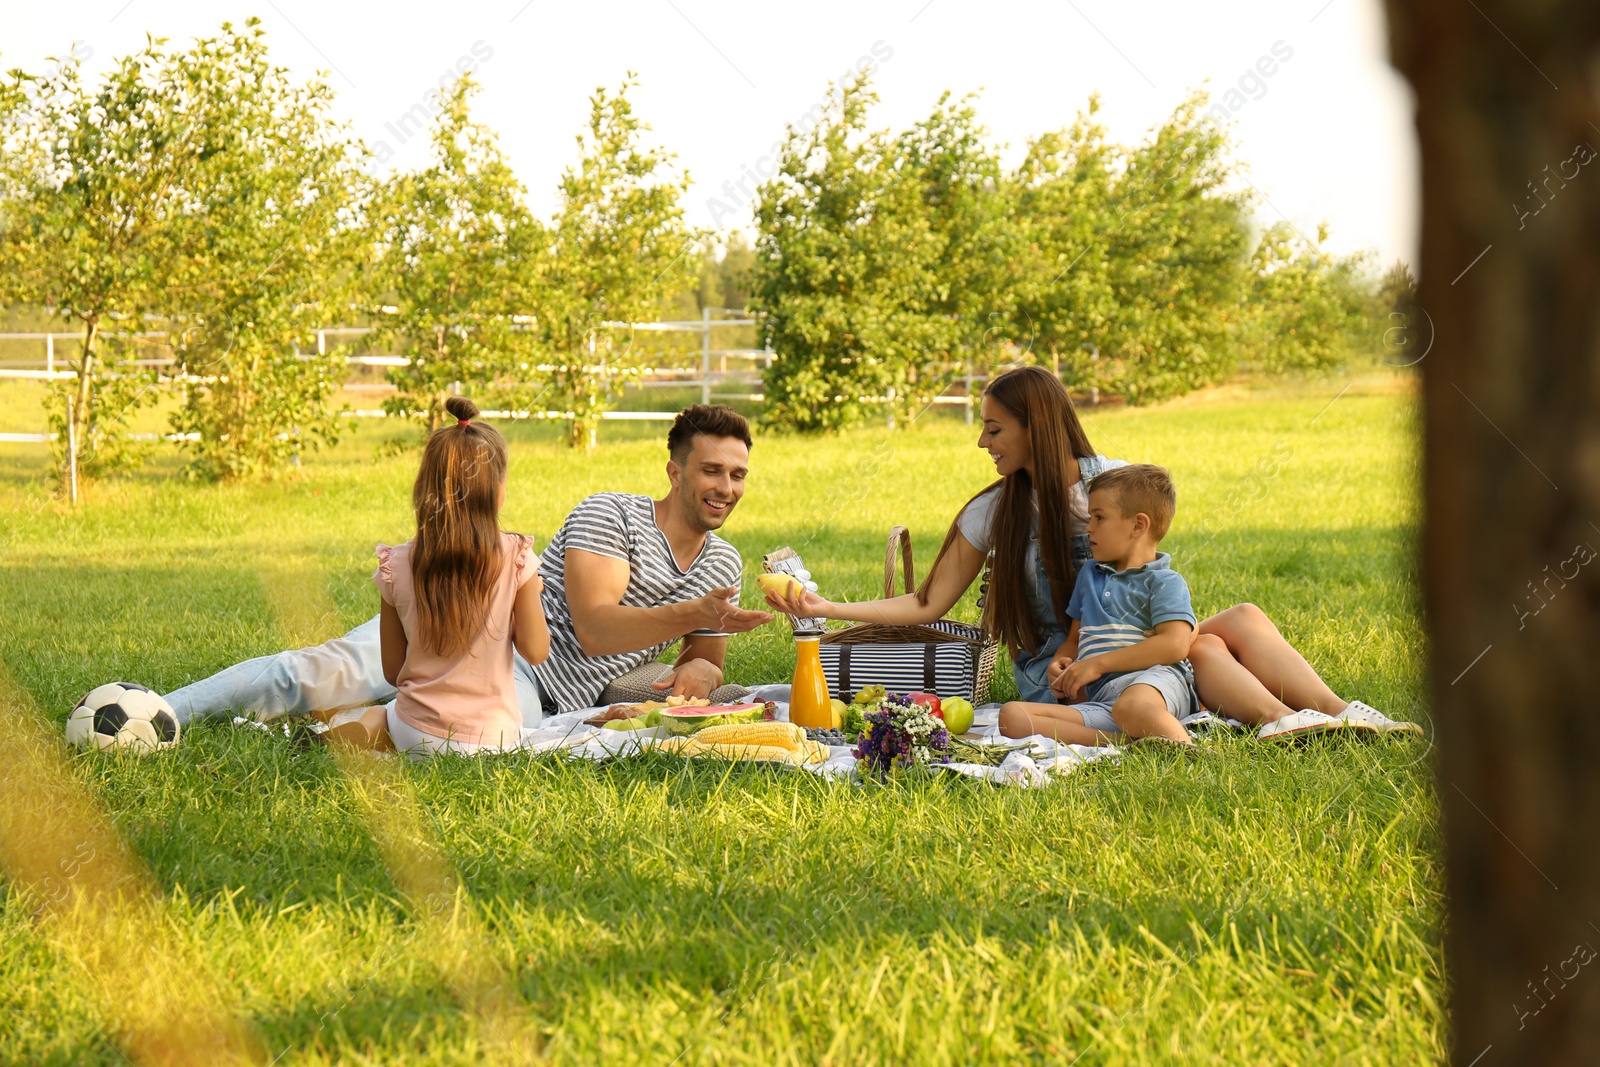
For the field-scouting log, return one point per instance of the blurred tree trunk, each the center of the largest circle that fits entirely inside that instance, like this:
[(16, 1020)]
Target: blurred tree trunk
[(1510, 279)]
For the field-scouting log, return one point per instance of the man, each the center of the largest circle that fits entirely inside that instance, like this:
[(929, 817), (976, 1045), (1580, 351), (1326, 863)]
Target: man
[(624, 578)]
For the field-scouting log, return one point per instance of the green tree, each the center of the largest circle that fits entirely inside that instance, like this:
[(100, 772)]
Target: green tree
[(1061, 191), (723, 280), (619, 247), (279, 186), (97, 187), (733, 274), (458, 260), (968, 296), (843, 250), (708, 281), (1306, 305), (1152, 242), (886, 265)]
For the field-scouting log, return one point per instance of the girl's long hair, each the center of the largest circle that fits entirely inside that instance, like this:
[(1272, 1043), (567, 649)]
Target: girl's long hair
[(456, 557), (1036, 399)]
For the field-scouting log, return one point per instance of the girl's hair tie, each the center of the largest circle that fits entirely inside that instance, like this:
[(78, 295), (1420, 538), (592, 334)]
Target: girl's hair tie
[(463, 422)]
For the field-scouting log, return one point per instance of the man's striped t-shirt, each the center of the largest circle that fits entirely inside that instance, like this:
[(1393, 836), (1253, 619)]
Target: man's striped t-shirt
[(622, 526)]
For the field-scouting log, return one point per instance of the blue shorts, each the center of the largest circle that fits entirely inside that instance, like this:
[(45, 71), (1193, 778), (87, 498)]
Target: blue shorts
[(1175, 684)]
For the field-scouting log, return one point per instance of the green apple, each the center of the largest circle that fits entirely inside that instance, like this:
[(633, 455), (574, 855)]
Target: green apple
[(958, 715)]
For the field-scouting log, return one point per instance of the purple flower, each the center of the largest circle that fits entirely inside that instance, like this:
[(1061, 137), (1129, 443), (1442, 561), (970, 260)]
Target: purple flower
[(901, 732)]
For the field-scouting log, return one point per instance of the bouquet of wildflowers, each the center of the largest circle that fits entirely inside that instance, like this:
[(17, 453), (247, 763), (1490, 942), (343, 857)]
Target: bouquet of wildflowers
[(901, 734)]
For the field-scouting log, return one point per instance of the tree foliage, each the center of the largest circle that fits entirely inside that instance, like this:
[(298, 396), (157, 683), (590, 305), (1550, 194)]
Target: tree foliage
[(199, 196), (886, 264), (96, 183), (724, 281), (968, 295), (1307, 305), (1152, 277), (204, 197), (483, 294), (843, 256), (619, 245), (459, 256), (279, 189)]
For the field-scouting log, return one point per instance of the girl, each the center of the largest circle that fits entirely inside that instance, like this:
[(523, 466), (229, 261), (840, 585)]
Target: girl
[(1034, 521), (456, 598)]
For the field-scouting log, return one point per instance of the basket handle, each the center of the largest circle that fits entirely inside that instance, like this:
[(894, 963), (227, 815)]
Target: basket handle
[(899, 544)]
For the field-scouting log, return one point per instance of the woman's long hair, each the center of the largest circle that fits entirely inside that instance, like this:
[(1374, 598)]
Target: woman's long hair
[(456, 557), (1036, 399)]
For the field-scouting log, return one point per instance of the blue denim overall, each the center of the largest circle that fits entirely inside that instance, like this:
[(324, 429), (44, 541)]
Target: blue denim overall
[(1029, 667)]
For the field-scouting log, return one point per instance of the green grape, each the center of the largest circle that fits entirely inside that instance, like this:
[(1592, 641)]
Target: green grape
[(872, 694)]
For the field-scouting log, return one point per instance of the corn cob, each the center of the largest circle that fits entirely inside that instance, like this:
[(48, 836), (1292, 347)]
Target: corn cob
[(805, 751), (784, 734), (774, 753)]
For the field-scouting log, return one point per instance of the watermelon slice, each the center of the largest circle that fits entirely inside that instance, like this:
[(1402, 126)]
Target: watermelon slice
[(688, 719)]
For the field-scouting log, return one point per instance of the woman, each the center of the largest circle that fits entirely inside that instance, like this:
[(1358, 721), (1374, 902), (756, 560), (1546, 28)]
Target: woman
[(1033, 520)]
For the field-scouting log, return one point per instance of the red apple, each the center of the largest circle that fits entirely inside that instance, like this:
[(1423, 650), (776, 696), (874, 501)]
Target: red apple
[(930, 700)]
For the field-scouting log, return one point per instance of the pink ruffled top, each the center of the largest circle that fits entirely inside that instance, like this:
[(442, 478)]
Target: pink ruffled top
[(470, 696)]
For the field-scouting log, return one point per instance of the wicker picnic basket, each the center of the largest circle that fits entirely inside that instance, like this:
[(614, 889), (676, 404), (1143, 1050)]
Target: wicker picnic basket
[(945, 657)]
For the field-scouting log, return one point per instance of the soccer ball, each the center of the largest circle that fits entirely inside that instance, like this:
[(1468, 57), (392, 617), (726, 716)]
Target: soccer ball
[(123, 715)]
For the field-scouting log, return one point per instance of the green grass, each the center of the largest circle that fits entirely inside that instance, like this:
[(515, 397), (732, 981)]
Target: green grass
[(1261, 907)]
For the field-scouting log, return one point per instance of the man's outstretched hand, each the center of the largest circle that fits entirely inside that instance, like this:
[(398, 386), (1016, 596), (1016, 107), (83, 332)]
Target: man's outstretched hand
[(722, 615), (692, 678)]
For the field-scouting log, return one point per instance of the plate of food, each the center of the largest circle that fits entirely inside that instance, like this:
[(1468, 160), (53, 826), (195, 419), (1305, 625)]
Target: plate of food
[(641, 710)]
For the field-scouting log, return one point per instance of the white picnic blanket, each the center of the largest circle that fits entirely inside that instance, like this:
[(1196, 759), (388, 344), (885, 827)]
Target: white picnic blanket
[(569, 733), (1033, 766)]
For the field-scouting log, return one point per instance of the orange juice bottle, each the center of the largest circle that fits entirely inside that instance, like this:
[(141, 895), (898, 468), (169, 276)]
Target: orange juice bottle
[(809, 705)]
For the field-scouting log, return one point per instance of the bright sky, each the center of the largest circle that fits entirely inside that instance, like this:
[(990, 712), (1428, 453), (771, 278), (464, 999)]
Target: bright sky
[(1323, 121)]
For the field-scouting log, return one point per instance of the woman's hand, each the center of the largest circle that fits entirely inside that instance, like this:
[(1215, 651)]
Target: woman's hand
[(951, 575), (800, 602)]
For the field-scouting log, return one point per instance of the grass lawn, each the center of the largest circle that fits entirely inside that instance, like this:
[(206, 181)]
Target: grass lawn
[(1261, 907)]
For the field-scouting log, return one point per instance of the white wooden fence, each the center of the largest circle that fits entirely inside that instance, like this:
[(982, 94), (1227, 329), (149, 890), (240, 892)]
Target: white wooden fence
[(708, 378), (713, 373)]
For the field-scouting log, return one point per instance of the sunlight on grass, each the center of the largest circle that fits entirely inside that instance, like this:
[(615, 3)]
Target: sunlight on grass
[(94, 908), (1265, 906)]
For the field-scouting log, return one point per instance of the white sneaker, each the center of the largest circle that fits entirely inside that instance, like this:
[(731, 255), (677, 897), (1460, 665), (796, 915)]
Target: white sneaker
[(1301, 724), (1358, 713)]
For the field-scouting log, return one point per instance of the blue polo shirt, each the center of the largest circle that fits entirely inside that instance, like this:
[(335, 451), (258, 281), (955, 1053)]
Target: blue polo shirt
[(1116, 608)]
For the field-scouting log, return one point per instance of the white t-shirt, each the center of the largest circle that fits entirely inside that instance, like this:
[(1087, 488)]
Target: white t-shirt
[(976, 523)]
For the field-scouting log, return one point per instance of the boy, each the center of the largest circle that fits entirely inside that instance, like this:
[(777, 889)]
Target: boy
[(1124, 664)]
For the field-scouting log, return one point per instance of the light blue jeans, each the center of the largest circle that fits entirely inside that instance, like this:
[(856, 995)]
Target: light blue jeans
[(1029, 669), (346, 672)]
